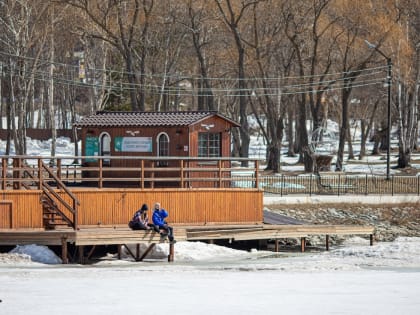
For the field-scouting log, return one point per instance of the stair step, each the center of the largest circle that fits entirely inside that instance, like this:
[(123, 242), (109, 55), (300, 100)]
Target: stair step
[(54, 223), (53, 218)]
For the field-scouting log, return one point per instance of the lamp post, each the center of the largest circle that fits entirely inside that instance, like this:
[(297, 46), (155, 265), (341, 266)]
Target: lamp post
[(389, 81)]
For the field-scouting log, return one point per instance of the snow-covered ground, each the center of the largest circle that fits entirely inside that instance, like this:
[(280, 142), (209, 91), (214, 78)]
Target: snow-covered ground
[(208, 279)]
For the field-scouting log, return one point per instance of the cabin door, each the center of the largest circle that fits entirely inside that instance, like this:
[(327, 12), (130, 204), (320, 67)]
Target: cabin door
[(163, 148), (105, 147)]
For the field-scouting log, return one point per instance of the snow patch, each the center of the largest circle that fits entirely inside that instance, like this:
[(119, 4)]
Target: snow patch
[(37, 253)]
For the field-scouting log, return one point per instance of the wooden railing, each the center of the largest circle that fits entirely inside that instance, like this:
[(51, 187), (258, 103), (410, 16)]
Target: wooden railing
[(23, 172), (20, 172), (41, 176), (54, 197)]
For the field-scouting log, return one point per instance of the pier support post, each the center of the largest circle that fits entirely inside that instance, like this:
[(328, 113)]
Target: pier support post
[(371, 239), (119, 251), (302, 244), (171, 252), (137, 251), (81, 254), (276, 246), (64, 258)]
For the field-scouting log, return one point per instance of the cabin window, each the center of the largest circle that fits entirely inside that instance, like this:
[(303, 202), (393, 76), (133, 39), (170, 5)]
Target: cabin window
[(163, 148), (209, 144)]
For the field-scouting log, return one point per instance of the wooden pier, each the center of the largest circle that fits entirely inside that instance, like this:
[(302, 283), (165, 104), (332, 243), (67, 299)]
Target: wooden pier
[(39, 205), (120, 236)]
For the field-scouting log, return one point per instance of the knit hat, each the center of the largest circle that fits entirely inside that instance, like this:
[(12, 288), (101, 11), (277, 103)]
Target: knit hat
[(144, 207)]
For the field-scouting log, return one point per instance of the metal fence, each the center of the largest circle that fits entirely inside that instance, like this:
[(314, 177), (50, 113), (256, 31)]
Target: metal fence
[(341, 184)]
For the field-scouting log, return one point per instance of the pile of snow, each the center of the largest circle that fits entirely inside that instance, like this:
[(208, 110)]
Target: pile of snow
[(196, 251), (36, 253), (188, 251), (403, 252), (14, 259), (64, 147)]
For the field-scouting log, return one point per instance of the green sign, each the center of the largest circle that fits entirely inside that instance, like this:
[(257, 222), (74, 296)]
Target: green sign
[(91, 148)]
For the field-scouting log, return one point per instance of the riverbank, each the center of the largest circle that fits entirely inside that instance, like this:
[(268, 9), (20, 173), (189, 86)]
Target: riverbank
[(390, 220)]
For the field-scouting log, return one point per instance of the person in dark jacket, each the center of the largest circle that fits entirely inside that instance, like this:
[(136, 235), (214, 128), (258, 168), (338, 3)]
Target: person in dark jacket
[(140, 220), (158, 217)]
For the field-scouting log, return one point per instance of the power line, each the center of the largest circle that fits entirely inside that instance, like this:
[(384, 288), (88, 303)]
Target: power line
[(228, 92), (192, 77)]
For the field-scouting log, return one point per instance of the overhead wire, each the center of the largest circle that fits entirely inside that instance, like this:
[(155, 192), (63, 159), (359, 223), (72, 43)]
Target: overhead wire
[(109, 71), (229, 92), (364, 77)]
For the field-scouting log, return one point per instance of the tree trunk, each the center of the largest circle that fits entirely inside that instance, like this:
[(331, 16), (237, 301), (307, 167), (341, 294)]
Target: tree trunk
[(363, 137), (343, 129), (132, 80), (51, 97), (302, 136), (290, 133), (404, 159), (350, 145), (274, 149)]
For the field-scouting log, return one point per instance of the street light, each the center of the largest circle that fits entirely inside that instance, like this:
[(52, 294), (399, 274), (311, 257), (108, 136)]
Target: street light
[(389, 81)]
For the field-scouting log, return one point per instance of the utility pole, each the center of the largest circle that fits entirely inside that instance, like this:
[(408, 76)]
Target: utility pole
[(389, 82)]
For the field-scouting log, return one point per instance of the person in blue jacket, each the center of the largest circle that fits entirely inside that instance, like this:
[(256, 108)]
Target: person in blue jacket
[(158, 217)]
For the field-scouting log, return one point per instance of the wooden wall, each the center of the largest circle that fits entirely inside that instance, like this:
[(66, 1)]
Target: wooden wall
[(220, 126), (116, 206), (26, 210)]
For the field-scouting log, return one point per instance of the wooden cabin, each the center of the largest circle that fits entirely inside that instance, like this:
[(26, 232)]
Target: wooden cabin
[(164, 135), (36, 194), (181, 159)]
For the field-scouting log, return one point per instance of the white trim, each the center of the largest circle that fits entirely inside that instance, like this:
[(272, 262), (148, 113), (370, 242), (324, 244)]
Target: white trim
[(101, 136), (157, 142)]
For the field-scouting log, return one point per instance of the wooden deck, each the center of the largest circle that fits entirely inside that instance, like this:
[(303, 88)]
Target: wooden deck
[(95, 236), (39, 207), (269, 232)]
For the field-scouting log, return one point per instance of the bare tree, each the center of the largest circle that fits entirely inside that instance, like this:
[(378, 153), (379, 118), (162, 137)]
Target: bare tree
[(269, 61), (407, 79), (120, 23), (232, 15), (199, 26), (23, 37)]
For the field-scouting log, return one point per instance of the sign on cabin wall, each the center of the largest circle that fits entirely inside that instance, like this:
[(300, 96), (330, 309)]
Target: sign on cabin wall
[(91, 148), (133, 144)]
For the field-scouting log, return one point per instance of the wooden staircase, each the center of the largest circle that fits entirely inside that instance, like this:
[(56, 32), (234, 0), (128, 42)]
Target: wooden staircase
[(56, 210), (51, 214)]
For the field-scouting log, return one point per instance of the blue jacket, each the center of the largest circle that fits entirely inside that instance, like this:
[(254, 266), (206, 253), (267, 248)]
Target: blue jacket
[(159, 217)]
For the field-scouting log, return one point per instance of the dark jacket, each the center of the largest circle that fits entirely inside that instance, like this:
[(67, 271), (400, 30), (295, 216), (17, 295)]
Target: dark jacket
[(139, 220), (159, 217)]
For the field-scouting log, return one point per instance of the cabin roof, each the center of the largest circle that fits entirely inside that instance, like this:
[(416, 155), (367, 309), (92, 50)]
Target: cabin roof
[(147, 119)]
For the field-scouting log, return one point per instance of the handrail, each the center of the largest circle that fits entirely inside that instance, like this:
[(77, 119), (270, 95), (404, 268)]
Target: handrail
[(187, 173), (60, 183), (76, 202), (48, 190)]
